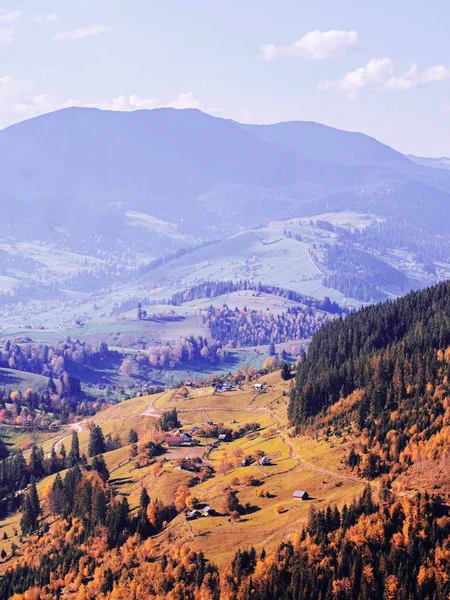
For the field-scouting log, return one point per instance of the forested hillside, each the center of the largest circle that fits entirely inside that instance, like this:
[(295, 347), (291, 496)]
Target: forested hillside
[(375, 382), (384, 370)]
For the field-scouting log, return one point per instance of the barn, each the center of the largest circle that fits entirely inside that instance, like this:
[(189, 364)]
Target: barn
[(301, 494)]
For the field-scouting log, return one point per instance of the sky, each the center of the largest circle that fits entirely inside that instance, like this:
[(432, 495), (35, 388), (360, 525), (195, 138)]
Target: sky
[(382, 68)]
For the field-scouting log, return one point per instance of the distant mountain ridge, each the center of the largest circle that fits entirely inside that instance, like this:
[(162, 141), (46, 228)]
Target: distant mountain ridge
[(82, 167), (90, 195), (436, 163)]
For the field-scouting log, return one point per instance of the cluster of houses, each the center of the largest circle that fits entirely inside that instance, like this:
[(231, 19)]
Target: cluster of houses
[(206, 511), (29, 421), (179, 438), (228, 386), (264, 460)]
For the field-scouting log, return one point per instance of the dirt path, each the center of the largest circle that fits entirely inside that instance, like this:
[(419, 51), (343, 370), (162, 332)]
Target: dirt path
[(78, 427), (311, 260), (293, 450), (151, 411)]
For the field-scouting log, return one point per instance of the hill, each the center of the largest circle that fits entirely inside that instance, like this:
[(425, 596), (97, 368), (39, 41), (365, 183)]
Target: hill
[(105, 194), (385, 370), (153, 520)]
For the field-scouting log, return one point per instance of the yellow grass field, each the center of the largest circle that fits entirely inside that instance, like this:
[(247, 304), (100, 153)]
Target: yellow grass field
[(269, 513)]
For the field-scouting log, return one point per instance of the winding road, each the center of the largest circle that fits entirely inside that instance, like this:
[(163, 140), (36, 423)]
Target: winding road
[(78, 427)]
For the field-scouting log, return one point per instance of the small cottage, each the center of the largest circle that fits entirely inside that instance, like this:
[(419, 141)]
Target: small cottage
[(173, 440), (264, 461), (207, 511), (300, 494), (185, 438), (245, 462), (192, 514), (223, 437)]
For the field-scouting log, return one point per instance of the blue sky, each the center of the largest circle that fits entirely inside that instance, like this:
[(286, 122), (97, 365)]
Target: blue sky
[(382, 67)]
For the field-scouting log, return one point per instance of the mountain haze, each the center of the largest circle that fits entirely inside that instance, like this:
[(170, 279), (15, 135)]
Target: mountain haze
[(88, 197), (87, 167)]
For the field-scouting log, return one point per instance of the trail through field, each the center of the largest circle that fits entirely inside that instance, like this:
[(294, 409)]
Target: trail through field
[(151, 411), (78, 427), (311, 260), (293, 450)]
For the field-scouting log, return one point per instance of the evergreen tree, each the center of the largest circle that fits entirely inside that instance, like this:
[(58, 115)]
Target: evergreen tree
[(285, 372), (57, 496), (96, 441), (99, 465), (133, 437), (31, 511), (74, 455), (63, 456), (144, 500)]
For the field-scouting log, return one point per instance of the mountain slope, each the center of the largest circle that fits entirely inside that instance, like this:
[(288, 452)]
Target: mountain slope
[(324, 144), (436, 163), (385, 371), (85, 167), (91, 195)]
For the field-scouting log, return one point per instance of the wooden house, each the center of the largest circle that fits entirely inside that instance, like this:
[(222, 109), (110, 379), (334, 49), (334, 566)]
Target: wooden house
[(173, 440), (301, 495)]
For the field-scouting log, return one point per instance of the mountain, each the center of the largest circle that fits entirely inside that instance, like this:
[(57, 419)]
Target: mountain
[(436, 163), (87, 169), (88, 197)]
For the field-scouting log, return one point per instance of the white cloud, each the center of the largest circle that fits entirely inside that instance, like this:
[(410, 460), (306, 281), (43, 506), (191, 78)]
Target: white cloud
[(135, 102), (185, 100), (36, 105), (6, 36), (19, 100), (50, 18), (375, 73), (316, 45), (82, 32), (9, 16), (379, 74)]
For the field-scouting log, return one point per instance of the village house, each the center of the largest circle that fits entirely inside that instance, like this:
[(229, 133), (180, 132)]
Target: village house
[(301, 494), (185, 438), (192, 514), (264, 461), (173, 440), (207, 511), (223, 437), (245, 462), (258, 386)]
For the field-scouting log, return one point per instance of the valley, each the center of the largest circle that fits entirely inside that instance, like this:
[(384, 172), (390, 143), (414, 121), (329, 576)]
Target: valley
[(293, 463)]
